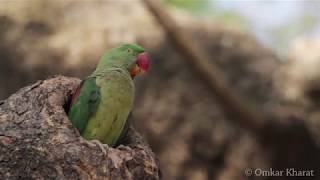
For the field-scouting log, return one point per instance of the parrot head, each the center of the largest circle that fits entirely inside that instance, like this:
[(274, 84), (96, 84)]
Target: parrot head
[(131, 57)]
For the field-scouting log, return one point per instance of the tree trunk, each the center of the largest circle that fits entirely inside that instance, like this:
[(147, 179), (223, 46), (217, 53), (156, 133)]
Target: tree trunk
[(37, 140)]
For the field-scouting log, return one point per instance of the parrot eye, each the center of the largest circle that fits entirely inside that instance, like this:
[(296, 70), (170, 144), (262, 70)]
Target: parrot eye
[(129, 50)]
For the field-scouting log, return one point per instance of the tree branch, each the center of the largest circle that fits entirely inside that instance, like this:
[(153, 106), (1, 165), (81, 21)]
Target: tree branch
[(38, 141), (278, 136), (246, 115)]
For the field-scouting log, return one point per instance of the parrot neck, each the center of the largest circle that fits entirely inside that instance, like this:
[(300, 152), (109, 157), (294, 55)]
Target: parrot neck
[(106, 65), (102, 70)]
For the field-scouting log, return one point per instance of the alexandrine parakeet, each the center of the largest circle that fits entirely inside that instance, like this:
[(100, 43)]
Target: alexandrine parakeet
[(102, 103)]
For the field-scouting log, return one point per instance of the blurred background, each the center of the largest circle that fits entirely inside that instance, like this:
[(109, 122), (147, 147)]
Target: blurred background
[(268, 51)]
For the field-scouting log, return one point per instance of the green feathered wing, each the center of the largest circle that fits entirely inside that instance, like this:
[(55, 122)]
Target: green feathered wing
[(101, 105), (85, 103)]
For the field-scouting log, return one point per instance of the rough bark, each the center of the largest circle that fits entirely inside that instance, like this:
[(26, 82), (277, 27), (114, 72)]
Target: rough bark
[(37, 140)]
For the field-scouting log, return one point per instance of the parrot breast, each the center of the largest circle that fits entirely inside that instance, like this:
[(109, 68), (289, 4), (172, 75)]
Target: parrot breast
[(117, 92)]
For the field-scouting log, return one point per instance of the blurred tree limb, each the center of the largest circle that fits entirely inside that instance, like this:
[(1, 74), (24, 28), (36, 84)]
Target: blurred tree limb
[(278, 132), (248, 116)]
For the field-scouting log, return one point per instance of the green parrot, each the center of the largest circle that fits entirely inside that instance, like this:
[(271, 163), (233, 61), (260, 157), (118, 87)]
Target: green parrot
[(101, 104)]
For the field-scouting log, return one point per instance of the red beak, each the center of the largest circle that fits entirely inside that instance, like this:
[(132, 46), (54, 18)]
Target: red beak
[(144, 61), (142, 64)]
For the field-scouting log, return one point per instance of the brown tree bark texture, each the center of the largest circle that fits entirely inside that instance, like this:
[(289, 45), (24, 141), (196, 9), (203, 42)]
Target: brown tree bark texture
[(37, 140)]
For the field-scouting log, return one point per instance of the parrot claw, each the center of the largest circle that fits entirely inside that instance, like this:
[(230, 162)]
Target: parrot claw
[(103, 147)]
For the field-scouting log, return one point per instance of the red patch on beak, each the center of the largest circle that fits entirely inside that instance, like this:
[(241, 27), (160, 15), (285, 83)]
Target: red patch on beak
[(142, 65), (144, 61)]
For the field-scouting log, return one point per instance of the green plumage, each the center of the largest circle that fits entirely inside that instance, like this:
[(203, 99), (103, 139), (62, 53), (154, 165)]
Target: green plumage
[(101, 106), (86, 104)]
